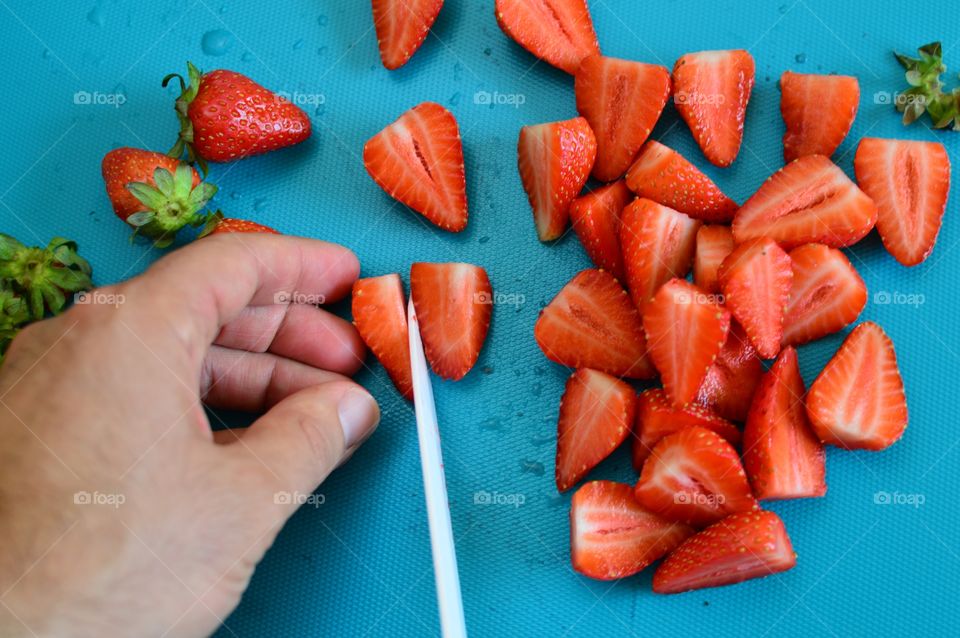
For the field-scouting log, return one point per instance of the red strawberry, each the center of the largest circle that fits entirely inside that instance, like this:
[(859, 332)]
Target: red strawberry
[(622, 100), (826, 295), (664, 175), (402, 26), (217, 224), (740, 547), (755, 279), (596, 220), (453, 303), (714, 243), (711, 90), (418, 160), (612, 536), (656, 418), (808, 200), (730, 382), (818, 111), (560, 32), (782, 456), (591, 323), (685, 332), (555, 160), (596, 414), (909, 181), (380, 315), (858, 402)]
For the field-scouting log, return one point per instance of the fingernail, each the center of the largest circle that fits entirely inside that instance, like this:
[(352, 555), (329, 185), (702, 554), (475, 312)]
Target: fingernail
[(359, 415)]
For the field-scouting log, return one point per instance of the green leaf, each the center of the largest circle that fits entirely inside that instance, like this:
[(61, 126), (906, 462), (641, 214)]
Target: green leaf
[(141, 219), (147, 195), (164, 181), (202, 194)]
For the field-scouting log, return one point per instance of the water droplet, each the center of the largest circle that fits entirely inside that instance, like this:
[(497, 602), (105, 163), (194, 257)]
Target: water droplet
[(487, 51), (492, 424), (457, 71), (320, 110), (536, 389), (216, 42), (487, 369), (259, 205), (454, 99), (784, 8), (484, 240), (322, 21), (298, 44), (800, 58), (247, 56), (531, 467), (95, 16), (223, 9), (322, 51), (46, 54), (236, 195)]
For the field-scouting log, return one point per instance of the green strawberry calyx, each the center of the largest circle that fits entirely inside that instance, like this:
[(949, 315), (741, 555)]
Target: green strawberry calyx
[(188, 91), (213, 220), (172, 202), (926, 94), (43, 276), (14, 314)]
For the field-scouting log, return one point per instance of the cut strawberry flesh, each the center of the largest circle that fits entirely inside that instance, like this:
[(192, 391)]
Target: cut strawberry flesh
[(560, 32), (596, 220), (730, 382), (380, 315)]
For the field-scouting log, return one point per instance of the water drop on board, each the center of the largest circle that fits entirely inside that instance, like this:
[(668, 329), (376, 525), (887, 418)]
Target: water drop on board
[(800, 58), (531, 467), (259, 205), (95, 16), (216, 42), (322, 51), (247, 56), (298, 44), (454, 99), (322, 21)]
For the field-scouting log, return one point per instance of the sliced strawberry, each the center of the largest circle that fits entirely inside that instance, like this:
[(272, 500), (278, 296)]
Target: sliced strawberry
[(453, 304), (818, 111), (622, 100), (591, 323), (909, 181), (664, 175), (402, 26), (596, 220), (596, 414), (858, 402), (380, 315), (419, 160), (781, 454), (711, 90), (808, 200), (732, 379), (612, 536), (559, 32), (714, 243), (555, 160), (827, 294), (738, 548)]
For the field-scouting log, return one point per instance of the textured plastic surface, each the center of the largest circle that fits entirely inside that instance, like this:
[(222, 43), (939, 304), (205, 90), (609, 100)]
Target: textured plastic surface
[(360, 563)]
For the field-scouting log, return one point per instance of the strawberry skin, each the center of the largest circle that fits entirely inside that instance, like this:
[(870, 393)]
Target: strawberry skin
[(220, 225), (124, 165), (380, 316), (730, 382), (714, 243), (596, 220), (559, 32), (402, 26), (818, 111)]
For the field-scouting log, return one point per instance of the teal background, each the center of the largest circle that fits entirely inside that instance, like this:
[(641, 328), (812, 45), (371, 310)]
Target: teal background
[(359, 565)]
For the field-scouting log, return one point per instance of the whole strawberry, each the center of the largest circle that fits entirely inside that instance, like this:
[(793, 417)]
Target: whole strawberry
[(217, 224), (43, 276)]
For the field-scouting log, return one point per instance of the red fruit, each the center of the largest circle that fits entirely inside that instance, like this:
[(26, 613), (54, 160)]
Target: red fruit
[(402, 26), (714, 243), (560, 32), (818, 111), (555, 160), (596, 414), (711, 90), (730, 382), (909, 181), (418, 160), (622, 100), (808, 200), (782, 456), (591, 323), (596, 220), (858, 402), (612, 536), (738, 548), (453, 303), (664, 175), (380, 315), (827, 294), (685, 331), (217, 224)]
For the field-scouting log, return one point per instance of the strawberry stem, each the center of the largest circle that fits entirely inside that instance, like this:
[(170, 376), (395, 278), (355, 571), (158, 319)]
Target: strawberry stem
[(172, 203), (188, 91)]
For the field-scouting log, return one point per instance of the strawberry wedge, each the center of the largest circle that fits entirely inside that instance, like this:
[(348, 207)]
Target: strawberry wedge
[(818, 111), (714, 243), (402, 26), (596, 220), (730, 382), (380, 316), (559, 32)]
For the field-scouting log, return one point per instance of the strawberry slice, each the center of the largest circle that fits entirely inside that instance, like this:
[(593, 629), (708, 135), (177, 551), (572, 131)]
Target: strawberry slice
[(402, 26), (612, 536), (909, 181), (755, 279), (555, 160), (656, 418), (714, 243), (418, 160), (596, 414), (380, 316), (596, 220), (827, 294), (685, 332), (738, 548), (782, 456), (591, 323), (818, 111), (694, 476), (559, 32), (453, 304), (664, 175), (711, 90), (622, 100), (808, 200), (732, 379), (858, 402)]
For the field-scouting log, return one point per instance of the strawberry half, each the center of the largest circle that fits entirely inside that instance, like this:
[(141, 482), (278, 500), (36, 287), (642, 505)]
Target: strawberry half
[(858, 402), (711, 90), (559, 32), (808, 200), (402, 26), (612, 536), (591, 323), (818, 111), (714, 243), (380, 316), (781, 454), (738, 548), (418, 160), (554, 161), (596, 220), (910, 182), (596, 414), (454, 304), (730, 382), (664, 175)]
